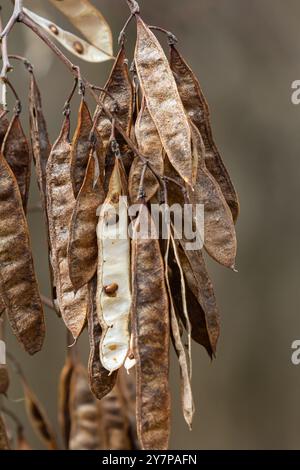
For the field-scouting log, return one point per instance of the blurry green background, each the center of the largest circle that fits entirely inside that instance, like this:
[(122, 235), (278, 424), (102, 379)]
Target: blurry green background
[(246, 54)]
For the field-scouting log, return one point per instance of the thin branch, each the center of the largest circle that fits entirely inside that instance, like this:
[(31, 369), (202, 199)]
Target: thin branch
[(133, 6), (172, 39), (15, 17), (47, 302)]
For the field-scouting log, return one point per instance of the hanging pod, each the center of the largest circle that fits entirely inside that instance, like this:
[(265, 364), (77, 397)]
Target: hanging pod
[(16, 151), (164, 104), (151, 330), (82, 246), (60, 199), (113, 290), (18, 286), (198, 111), (150, 147)]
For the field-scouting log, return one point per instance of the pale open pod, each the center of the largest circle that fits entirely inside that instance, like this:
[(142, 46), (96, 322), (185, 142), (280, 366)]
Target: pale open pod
[(113, 290), (89, 21), (79, 47)]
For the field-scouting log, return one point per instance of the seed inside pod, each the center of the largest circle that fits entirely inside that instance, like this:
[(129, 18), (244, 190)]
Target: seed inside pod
[(111, 289), (53, 29), (78, 47)]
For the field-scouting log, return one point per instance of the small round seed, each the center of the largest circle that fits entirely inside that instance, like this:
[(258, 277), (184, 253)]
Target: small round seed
[(111, 289), (78, 47), (53, 29)]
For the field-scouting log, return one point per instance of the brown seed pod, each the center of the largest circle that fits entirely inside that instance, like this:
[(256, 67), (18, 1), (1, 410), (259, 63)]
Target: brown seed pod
[(101, 382), (64, 390), (150, 325), (185, 367), (39, 137), (86, 416), (82, 247), (2, 306), (16, 152), (150, 146), (163, 100), (61, 202), (200, 285), (18, 285), (38, 418), (4, 441), (81, 148), (120, 88), (198, 111), (115, 420), (4, 379), (41, 148), (219, 231)]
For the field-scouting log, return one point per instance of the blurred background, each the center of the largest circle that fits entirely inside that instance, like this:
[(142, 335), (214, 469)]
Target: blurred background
[(246, 55)]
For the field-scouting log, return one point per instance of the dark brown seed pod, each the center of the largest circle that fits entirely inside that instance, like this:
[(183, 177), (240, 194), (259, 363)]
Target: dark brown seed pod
[(86, 415), (61, 202), (127, 385), (64, 390), (119, 87), (200, 285), (198, 111), (219, 231), (41, 148), (150, 325), (81, 147), (38, 418), (101, 382), (150, 146), (4, 379), (16, 151), (82, 247), (163, 100), (18, 286), (4, 441)]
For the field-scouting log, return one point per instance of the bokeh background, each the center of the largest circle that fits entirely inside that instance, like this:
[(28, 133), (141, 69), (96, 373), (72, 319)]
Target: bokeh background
[(246, 55)]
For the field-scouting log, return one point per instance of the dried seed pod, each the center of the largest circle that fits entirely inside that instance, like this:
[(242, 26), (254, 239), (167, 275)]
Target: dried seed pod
[(18, 285), (61, 202), (186, 390), (87, 427), (81, 147), (120, 88), (38, 418), (200, 285), (41, 148), (74, 44), (150, 324), (101, 382), (198, 111), (163, 100), (114, 244), (64, 399), (4, 441), (4, 379), (39, 137), (82, 247), (150, 146), (16, 152), (115, 420), (219, 231)]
